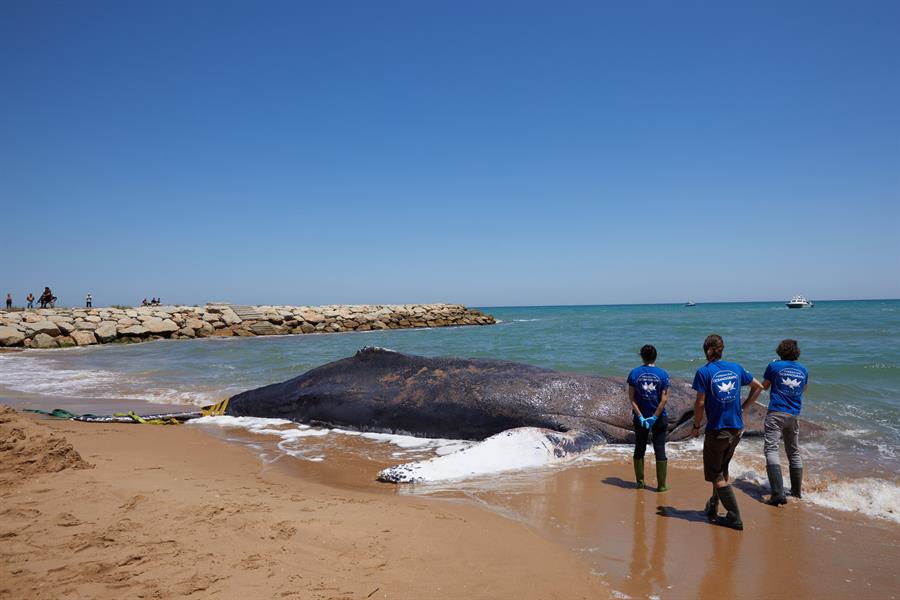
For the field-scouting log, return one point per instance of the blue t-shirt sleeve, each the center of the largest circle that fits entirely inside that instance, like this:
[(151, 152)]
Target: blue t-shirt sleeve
[(769, 374), (630, 379), (746, 376), (699, 382)]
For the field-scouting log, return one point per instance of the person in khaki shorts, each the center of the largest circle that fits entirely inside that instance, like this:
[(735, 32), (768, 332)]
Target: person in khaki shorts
[(787, 379), (718, 385)]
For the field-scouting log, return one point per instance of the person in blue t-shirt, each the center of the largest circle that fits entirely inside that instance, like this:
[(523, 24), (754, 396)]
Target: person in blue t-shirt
[(718, 386), (786, 379), (648, 392)]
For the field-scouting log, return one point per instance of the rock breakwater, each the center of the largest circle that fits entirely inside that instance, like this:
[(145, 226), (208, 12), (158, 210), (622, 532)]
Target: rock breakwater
[(64, 327)]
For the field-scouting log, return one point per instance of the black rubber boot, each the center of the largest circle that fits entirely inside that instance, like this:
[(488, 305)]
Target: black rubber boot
[(796, 482), (777, 484), (639, 472), (733, 518), (711, 510)]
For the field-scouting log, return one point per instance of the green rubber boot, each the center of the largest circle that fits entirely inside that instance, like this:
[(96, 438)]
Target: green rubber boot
[(662, 467), (639, 472), (776, 482)]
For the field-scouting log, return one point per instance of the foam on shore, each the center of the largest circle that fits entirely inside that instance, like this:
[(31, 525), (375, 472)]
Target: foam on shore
[(456, 462)]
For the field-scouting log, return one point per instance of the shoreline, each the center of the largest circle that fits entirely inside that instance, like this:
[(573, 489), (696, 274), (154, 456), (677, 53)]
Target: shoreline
[(226, 521), (144, 522), (47, 328)]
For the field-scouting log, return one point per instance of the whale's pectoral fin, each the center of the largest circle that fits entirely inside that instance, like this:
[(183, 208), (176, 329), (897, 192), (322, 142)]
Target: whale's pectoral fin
[(518, 448), (573, 442)]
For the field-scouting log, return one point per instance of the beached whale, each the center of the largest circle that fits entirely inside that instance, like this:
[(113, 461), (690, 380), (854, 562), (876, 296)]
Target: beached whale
[(385, 391), (380, 390)]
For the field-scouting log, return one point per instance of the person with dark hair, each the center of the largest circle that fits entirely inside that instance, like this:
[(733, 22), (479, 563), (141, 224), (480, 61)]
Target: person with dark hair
[(30, 300), (648, 392), (718, 386), (46, 297), (786, 379), (8, 301)]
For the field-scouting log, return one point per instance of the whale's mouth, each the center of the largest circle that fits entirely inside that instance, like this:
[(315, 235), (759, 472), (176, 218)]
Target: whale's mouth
[(519, 448)]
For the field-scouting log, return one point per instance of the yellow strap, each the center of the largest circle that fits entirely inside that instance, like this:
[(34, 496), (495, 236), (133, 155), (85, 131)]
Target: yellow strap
[(139, 419), (216, 410)]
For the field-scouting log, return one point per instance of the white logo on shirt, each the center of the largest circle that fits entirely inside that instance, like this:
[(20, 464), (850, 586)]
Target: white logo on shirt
[(791, 383), (726, 387), (648, 387)]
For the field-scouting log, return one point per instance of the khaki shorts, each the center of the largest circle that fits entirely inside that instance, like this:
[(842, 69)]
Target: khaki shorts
[(718, 448)]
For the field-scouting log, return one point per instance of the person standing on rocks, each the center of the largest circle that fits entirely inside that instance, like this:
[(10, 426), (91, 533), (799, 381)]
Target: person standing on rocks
[(87, 300), (30, 300), (8, 301)]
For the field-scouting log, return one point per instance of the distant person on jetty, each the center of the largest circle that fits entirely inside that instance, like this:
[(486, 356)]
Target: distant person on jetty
[(46, 298), (8, 301), (718, 386), (145, 303), (87, 300), (29, 299), (787, 379), (648, 392)]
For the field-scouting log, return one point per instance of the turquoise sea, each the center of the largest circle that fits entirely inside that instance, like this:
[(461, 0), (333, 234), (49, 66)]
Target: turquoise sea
[(852, 350)]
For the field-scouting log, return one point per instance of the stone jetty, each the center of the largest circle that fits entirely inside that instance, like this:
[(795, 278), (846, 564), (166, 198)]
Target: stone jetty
[(64, 327)]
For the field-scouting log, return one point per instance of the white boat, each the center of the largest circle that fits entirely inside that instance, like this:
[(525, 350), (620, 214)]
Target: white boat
[(799, 302), (691, 303)]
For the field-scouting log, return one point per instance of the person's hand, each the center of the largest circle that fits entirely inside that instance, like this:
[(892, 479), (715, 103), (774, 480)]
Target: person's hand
[(695, 432), (648, 423), (643, 421)]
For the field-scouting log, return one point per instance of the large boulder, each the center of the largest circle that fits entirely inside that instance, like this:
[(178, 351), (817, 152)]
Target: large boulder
[(106, 332), (195, 324), (66, 327), (160, 326), (83, 338), (42, 340), (10, 336), (134, 331), (230, 317), (46, 327)]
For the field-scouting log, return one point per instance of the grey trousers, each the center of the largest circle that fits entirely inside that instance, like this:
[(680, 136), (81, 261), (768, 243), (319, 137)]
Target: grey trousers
[(780, 425)]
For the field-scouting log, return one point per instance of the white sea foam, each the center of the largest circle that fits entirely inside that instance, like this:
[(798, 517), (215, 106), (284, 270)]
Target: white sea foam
[(871, 497), (520, 448), (40, 374), (248, 423), (36, 376)]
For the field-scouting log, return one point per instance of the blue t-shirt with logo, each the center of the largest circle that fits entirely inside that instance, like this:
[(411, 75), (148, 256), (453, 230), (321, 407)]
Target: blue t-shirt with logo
[(721, 381), (788, 378), (648, 383)]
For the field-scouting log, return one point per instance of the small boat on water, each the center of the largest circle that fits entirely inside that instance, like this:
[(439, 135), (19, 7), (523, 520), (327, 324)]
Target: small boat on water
[(690, 303), (799, 302)]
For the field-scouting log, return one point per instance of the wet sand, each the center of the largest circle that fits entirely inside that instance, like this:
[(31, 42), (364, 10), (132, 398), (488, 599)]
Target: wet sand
[(172, 511)]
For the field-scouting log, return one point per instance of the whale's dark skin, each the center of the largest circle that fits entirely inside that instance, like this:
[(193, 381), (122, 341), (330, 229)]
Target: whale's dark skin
[(385, 391)]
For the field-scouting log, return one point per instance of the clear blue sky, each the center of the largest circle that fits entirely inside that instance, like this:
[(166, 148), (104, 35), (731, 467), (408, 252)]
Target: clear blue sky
[(489, 153)]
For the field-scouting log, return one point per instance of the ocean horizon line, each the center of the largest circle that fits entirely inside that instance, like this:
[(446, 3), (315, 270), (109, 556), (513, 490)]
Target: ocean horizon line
[(698, 303)]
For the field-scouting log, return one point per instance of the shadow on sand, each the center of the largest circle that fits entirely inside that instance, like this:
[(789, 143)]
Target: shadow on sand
[(755, 491), (694, 516), (621, 483)]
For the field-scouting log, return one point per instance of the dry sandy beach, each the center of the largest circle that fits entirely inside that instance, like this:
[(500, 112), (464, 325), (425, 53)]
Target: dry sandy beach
[(162, 512)]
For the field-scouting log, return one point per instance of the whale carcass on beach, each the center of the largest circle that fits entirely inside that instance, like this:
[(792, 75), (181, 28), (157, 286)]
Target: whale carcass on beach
[(380, 390)]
